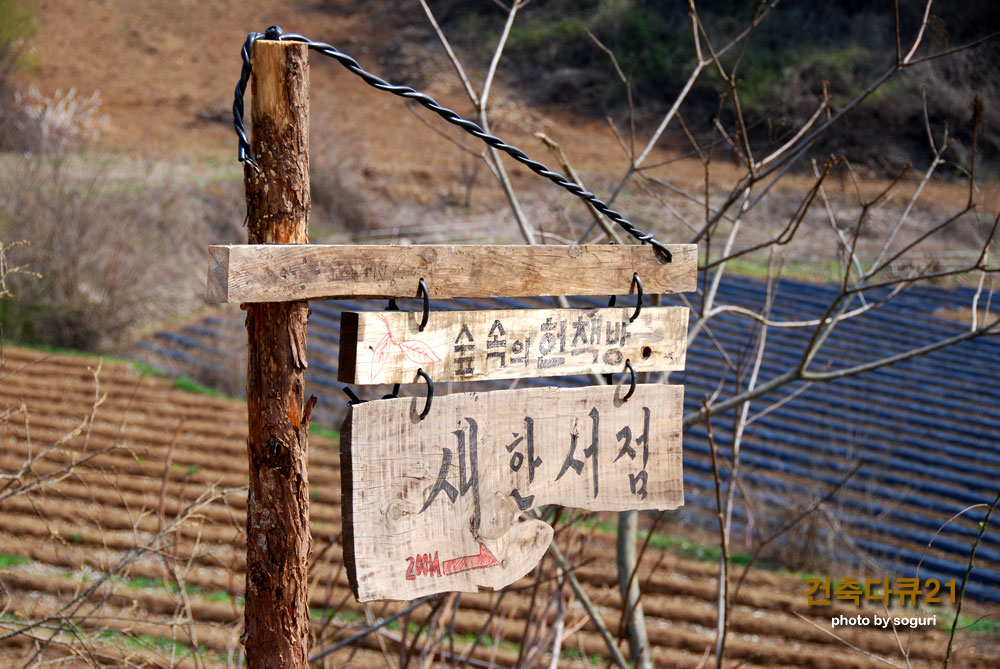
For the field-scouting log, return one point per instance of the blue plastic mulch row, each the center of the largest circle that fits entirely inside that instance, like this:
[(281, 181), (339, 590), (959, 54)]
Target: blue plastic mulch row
[(925, 428)]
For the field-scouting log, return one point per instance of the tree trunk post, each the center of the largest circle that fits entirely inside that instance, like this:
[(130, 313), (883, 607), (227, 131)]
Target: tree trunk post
[(276, 615)]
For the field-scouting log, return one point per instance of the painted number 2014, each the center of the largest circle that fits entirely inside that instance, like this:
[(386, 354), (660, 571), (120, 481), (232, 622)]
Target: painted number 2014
[(422, 565)]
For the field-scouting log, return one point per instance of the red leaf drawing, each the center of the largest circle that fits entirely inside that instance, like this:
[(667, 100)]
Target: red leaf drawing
[(419, 352), (380, 354)]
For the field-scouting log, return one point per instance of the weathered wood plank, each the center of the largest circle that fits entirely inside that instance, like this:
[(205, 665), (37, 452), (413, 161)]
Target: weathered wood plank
[(272, 273), (388, 347), (451, 487)]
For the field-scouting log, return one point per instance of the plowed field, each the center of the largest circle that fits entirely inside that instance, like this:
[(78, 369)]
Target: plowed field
[(124, 542)]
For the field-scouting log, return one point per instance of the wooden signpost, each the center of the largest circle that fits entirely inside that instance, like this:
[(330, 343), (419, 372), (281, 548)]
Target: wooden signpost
[(433, 499), (432, 505)]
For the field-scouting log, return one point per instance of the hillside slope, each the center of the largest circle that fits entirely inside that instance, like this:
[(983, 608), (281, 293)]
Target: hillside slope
[(163, 497)]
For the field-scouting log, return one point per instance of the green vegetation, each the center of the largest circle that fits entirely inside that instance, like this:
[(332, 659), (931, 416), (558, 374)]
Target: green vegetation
[(190, 470), (163, 645), (487, 641), (652, 43), (325, 432), (141, 367), (574, 654), (342, 616), (689, 549), (967, 623), (666, 542), (780, 67), (139, 582), (220, 596), (818, 272), (17, 22), (191, 386), (12, 560)]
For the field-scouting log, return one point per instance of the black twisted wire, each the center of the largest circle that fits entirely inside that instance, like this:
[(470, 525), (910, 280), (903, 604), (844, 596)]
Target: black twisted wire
[(245, 152)]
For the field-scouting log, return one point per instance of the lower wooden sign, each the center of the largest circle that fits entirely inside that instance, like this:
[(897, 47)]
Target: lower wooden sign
[(433, 505)]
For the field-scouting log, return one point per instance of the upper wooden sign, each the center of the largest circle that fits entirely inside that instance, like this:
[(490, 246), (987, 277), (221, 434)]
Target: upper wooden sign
[(285, 272), (432, 505), (389, 347)]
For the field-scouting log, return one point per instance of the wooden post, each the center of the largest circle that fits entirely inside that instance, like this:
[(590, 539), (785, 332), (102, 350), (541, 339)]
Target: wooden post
[(276, 615)]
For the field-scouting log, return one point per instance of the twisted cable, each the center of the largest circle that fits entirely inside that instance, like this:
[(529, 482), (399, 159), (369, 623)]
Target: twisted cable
[(245, 153)]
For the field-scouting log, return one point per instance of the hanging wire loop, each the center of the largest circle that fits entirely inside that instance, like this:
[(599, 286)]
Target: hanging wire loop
[(245, 153), (631, 388), (422, 291), (430, 393), (637, 282)]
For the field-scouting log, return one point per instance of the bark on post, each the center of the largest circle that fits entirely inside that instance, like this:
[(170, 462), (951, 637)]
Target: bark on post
[(276, 615)]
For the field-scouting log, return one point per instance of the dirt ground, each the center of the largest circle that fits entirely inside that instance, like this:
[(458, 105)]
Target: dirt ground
[(163, 459), (166, 71)]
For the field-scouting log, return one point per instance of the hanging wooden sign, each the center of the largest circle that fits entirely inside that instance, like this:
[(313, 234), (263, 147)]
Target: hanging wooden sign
[(276, 273), (433, 505), (389, 347)]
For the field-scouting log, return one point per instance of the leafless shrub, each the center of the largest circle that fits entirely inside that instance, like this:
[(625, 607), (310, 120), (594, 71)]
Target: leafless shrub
[(8, 271), (58, 125), (115, 245), (98, 243)]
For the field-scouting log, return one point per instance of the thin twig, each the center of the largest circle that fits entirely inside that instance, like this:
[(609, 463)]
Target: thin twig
[(965, 579), (846, 643), (588, 606)]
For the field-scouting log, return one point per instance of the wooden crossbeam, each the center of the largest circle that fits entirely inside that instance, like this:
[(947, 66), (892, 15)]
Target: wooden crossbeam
[(433, 505), (279, 273), (389, 347)]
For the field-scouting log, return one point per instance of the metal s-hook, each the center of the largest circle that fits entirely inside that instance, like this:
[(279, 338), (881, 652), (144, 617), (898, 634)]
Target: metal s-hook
[(631, 389), (637, 282), (430, 391), (422, 291)]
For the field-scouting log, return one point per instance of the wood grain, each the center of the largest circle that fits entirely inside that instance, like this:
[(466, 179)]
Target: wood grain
[(451, 487), (388, 347), (257, 273), (278, 534)]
